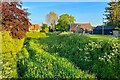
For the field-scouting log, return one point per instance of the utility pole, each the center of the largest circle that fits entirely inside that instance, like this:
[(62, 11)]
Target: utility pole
[(103, 27)]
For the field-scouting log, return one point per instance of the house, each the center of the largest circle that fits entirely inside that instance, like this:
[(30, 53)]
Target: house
[(104, 29), (81, 28), (34, 27)]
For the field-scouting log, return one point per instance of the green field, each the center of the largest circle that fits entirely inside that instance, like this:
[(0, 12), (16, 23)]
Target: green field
[(61, 55), (102, 37)]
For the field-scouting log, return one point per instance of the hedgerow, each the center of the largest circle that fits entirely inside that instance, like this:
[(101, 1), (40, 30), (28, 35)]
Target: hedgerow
[(10, 47), (60, 56), (100, 57), (9, 44), (35, 34), (41, 64)]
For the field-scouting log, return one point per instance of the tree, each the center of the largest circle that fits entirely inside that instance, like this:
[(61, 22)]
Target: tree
[(112, 13), (44, 27), (119, 13), (15, 19), (64, 21), (51, 19)]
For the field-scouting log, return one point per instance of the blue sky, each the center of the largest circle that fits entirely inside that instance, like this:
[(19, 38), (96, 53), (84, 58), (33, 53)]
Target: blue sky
[(82, 11)]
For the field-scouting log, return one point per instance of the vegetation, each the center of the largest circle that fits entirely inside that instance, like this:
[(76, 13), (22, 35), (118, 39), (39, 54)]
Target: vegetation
[(45, 28), (64, 21), (101, 37), (44, 65), (100, 57), (64, 55), (9, 44), (10, 47), (51, 19), (36, 61), (35, 34), (55, 54), (14, 19), (112, 13)]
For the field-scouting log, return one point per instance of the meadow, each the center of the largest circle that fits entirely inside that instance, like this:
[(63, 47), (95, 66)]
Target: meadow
[(61, 55)]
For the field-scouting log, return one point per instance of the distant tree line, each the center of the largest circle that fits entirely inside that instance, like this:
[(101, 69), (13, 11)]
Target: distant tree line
[(59, 24)]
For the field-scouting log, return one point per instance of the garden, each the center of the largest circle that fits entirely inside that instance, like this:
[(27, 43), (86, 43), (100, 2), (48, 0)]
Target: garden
[(63, 55), (51, 51)]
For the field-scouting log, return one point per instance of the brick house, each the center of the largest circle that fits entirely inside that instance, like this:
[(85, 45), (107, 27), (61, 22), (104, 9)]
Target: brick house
[(35, 27)]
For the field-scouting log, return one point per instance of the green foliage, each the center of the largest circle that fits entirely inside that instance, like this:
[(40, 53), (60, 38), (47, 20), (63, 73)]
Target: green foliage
[(64, 21), (9, 44), (100, 57), (61, 55), (9, 68), (112, 13), (41, 64), (45, 27), (9, 49), (35, 34), (103, 57), (51, 19), (101, 37)]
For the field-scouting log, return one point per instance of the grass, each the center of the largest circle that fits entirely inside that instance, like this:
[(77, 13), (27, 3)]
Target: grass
[(101, 37)]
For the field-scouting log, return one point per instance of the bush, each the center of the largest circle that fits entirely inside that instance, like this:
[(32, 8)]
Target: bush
[(9, 49), (9, 44), (46, 29), (41, 64), (35, 34), (100, 57), (9, 68)]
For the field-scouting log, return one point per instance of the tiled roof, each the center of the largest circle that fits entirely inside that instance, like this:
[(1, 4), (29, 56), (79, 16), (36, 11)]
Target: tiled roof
[(85, 26), (73, 28)]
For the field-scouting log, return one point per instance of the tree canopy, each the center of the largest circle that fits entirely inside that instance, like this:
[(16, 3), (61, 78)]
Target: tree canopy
[(51, 19), (14, 19), (112, 13), (64, 21)]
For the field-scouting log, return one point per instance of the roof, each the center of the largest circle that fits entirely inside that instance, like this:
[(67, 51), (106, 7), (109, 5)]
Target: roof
[(105, 27), (73, 28), (34, 27), (85, 26)]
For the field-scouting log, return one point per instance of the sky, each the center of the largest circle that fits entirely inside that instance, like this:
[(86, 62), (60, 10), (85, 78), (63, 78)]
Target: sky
[(84, 12)]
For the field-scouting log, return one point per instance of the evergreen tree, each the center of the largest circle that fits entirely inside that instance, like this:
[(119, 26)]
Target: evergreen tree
[(112, 13)]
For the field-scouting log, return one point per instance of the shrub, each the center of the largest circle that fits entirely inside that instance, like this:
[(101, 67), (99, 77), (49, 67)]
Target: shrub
[(41, 64), (9, 44), (100, 57), (9, 68), (46, 29), (9, 49), (35, 34)]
